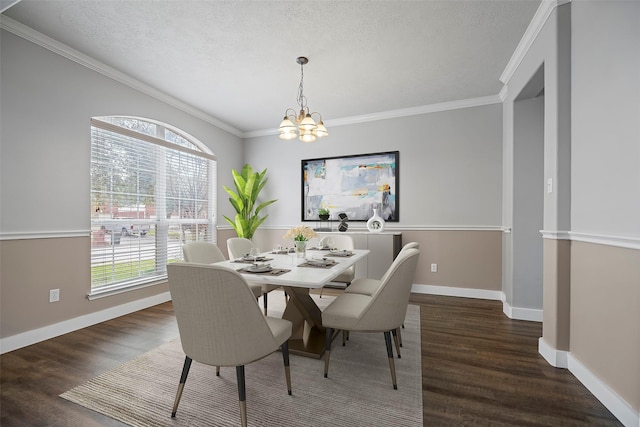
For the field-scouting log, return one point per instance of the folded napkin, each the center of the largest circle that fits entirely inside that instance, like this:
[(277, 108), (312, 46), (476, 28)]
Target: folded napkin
[(340, 254), (250, 261), (317, 265)]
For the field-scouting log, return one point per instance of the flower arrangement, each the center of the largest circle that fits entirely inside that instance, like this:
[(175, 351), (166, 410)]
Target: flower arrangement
[(301, 233)]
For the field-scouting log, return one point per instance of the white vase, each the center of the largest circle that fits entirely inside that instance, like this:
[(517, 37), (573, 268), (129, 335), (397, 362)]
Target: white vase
[(375, 223), (301, 248)]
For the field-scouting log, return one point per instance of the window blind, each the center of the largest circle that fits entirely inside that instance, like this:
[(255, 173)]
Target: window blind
[(152, 190)]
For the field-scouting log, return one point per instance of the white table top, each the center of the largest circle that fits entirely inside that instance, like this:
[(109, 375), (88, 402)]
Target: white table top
[(304, 277)]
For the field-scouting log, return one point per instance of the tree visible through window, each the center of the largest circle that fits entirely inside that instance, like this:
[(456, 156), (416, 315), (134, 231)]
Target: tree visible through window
[(152, 190)]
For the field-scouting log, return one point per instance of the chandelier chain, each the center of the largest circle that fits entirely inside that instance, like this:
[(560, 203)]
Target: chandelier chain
[(301, 98)]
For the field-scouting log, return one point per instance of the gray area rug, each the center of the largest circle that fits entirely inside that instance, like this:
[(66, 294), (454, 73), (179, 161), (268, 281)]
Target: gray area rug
[(358, 391)]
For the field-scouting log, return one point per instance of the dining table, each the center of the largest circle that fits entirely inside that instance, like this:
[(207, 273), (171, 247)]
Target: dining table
[(298, 275)]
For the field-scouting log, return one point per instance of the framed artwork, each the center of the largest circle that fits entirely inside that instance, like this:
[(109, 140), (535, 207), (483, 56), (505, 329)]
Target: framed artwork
[(353, 184)]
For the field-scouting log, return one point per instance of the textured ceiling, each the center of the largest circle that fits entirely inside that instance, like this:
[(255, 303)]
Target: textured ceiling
[(235, 60)]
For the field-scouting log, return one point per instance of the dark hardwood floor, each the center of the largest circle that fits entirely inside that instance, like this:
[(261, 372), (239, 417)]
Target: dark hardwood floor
[(479, 368)]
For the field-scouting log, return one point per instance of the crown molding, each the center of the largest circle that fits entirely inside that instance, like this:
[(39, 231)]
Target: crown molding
[(541, 16), (6, 4), (65, 51), (392, 114), (535, 26)]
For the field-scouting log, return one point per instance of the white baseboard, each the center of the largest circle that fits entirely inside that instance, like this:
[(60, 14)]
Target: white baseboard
[(519, 313), (516, 313), (556, 358), (37, 335), (614, 403), (457, 292)]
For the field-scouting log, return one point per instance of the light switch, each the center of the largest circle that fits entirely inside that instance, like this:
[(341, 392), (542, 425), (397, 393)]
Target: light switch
[(549, 185)]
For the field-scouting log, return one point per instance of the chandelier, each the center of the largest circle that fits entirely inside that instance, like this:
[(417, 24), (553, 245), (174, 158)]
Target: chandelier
[(307, 129)]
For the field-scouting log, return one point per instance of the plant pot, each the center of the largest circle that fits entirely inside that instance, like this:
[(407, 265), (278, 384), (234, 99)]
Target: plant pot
[(323, 217)]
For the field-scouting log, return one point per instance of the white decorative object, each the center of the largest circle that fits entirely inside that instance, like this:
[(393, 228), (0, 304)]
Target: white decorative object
[(375, 223)]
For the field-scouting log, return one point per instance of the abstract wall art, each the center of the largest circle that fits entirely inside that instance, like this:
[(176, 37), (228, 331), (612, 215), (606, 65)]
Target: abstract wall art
[(353, 184)]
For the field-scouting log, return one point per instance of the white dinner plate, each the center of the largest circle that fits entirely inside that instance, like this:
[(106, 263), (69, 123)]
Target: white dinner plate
[(259, 268)]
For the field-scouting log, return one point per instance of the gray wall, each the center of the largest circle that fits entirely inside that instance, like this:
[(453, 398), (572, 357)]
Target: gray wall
[(450, 165), (529, 189), (605, 149), (546, 64), (47, 104)]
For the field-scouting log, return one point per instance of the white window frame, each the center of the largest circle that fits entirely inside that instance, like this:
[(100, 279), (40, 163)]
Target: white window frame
[(163, 249)]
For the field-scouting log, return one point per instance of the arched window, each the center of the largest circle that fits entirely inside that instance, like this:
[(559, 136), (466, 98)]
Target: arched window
[(152, 190)]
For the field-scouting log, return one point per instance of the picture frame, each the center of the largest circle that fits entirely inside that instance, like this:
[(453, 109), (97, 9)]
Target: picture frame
[(353, 184)]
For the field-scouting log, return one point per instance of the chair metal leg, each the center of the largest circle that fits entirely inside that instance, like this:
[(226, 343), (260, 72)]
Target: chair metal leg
[(264, 302), (217, 371), (242, 395), (396, 340), (287, 369), (400, 335), (183, 379), (344, 337), (327, 350), (392, 365)]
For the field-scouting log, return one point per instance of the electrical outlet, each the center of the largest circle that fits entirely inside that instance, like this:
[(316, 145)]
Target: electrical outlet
[(54, 295), (434, 268)]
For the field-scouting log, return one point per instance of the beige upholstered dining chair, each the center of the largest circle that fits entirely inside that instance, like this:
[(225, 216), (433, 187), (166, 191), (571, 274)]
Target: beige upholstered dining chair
[(208, 253), (220, 325), (239, 247), (366, 286), (341, 242), (384, 311)]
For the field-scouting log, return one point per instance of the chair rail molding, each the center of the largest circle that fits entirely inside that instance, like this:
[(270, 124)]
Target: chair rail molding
[(628, 242), (27, 235)]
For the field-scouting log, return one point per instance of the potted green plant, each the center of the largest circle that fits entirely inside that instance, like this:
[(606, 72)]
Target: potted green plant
[(244, 200), (323, 214)]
